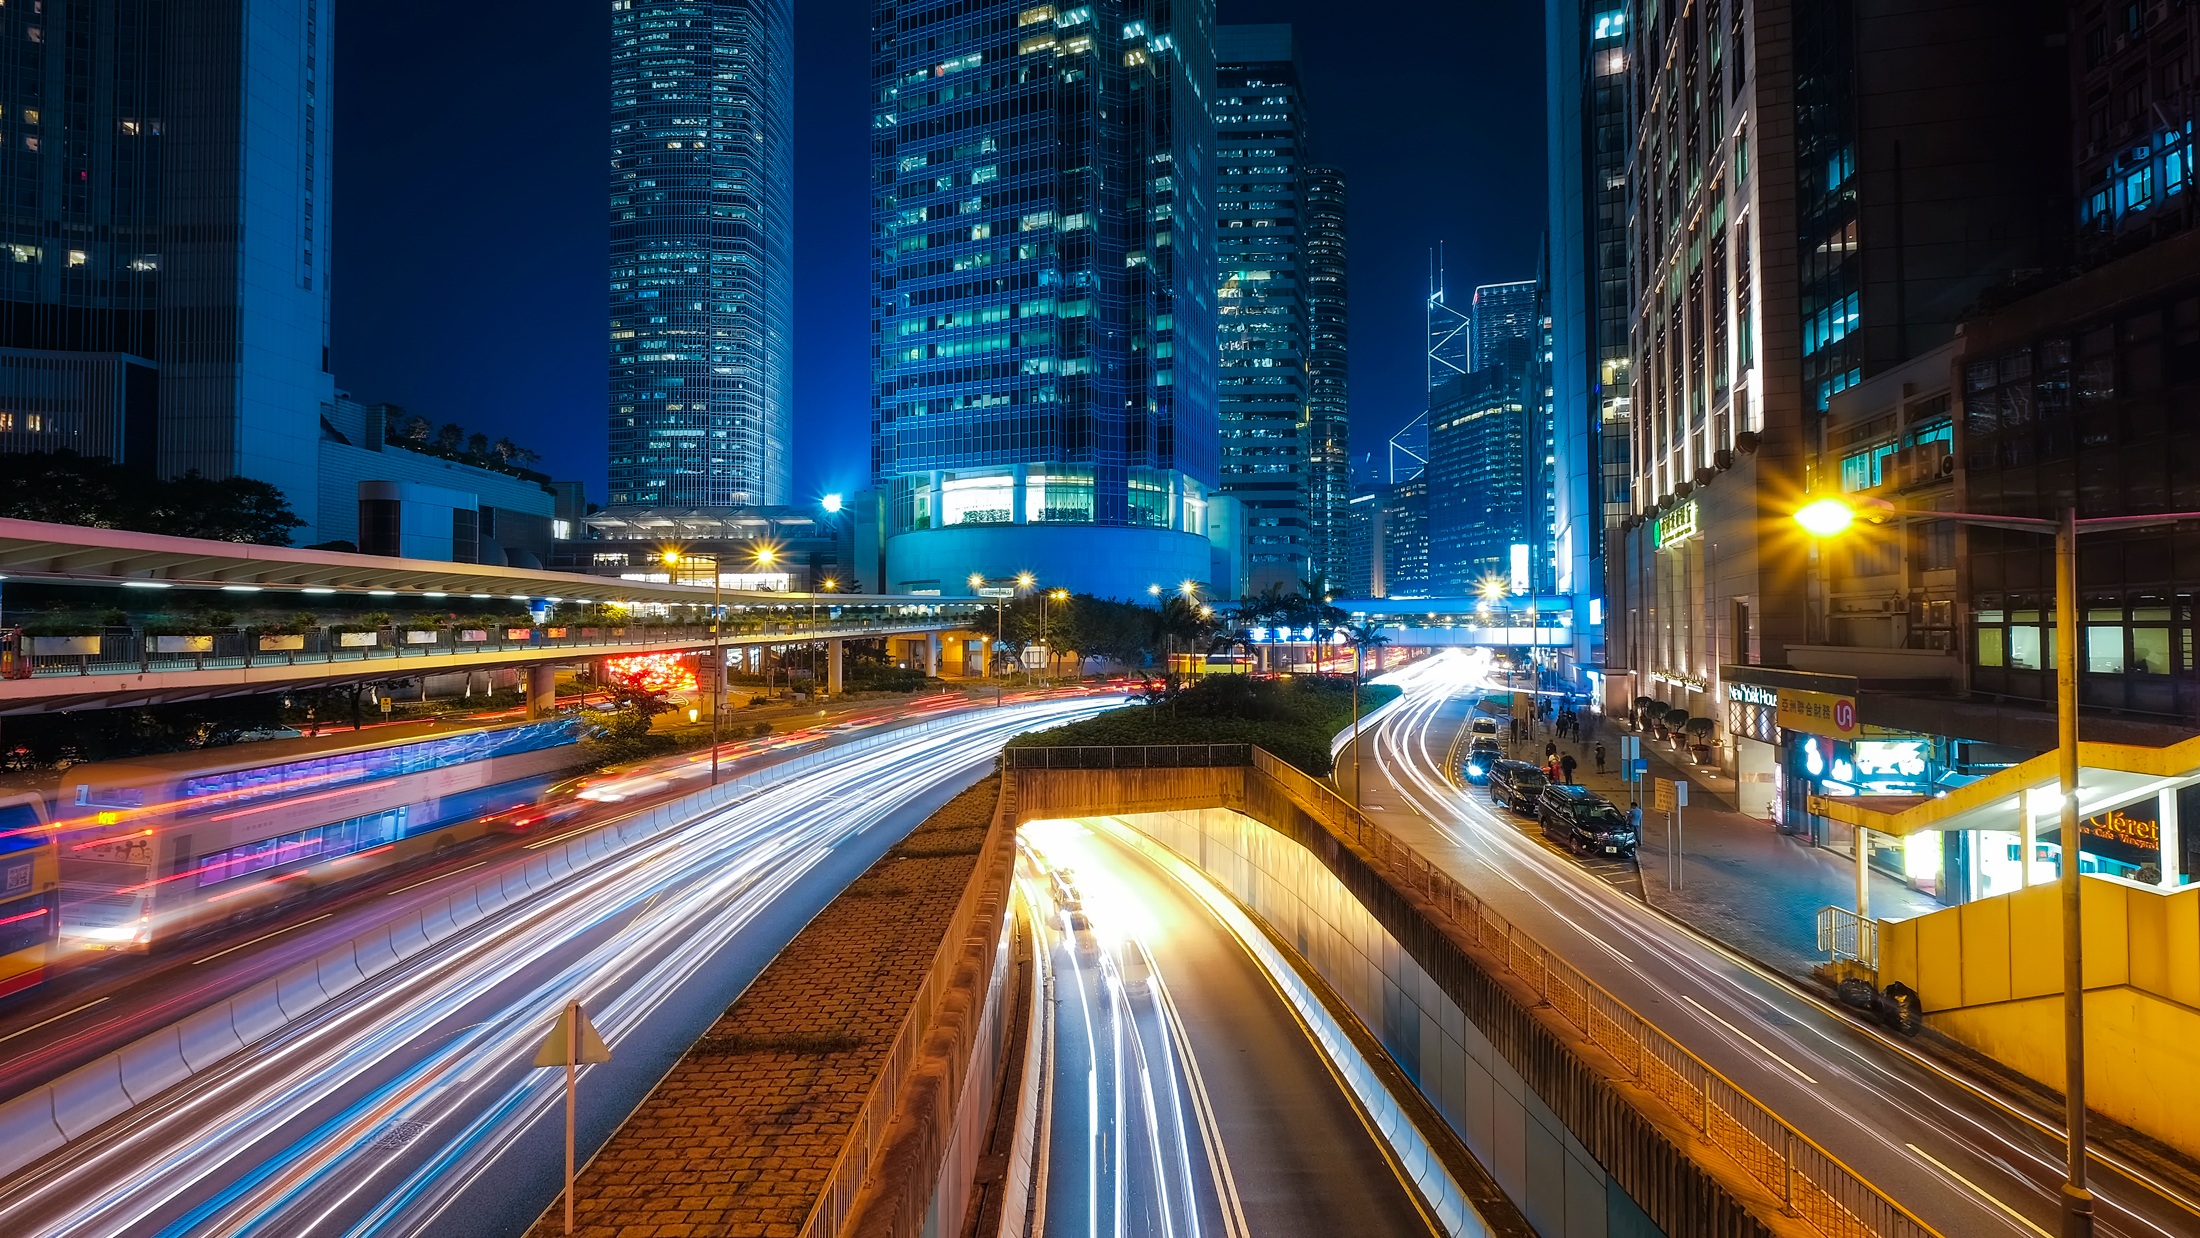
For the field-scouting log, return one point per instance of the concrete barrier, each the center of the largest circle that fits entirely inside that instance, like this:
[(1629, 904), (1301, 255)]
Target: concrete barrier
[(340, 969), (299, 989), (375, 954), (256, 1012), (407, 937), (153, 1064), (208, 1036), (436, 921), (28, 1130), (47, 1118), (88, 1096)]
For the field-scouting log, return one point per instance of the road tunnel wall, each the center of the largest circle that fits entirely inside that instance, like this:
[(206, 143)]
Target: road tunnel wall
[(1580, 1154)]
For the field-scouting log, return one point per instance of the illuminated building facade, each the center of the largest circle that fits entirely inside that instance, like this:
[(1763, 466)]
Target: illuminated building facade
[(702, 292)]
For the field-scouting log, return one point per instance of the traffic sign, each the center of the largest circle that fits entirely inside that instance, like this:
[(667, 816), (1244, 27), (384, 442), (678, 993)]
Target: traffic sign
[(1666, 795), (553, 1051)]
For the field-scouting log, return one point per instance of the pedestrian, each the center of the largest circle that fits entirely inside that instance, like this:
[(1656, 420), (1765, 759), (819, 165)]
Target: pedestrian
[(1550, 769), (1550, 750), (1634, 817), (1600, 757), (1567, 765)]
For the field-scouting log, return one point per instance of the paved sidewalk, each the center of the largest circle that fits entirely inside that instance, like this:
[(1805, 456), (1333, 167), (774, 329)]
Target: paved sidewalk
[(1742, 881)]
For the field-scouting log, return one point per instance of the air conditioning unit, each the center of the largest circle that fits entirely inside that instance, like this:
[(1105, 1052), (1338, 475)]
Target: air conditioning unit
[(1895, 474), (1948, 466)]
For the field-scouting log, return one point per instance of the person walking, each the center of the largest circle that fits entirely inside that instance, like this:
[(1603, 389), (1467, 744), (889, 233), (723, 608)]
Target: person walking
[(1600, 758), (1567, 765)]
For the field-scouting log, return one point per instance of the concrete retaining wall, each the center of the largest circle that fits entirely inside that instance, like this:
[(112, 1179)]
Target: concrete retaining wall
[(43, 1120), (1549, 1122)]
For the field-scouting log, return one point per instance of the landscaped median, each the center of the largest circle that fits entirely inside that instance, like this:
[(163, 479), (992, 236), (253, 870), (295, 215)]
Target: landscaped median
[(824, 1101), (1296, 719)]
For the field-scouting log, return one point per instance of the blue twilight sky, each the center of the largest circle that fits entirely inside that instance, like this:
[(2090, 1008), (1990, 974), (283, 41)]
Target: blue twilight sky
[(471, 225)]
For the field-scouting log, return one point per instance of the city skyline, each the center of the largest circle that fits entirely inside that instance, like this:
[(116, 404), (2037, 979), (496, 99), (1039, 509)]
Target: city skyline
[(538, 342)]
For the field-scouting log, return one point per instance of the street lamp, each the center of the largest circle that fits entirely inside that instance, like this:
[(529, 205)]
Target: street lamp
[(1829, 517), (1046, 630), (672, 558)]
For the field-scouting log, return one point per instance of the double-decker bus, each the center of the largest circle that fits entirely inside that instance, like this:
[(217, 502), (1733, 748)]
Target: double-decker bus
[(156, 848), (30, 882)]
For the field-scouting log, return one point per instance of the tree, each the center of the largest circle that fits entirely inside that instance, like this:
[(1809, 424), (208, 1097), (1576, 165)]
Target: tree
[(635, 706), (477, 445), (449, 438), (65, 488)]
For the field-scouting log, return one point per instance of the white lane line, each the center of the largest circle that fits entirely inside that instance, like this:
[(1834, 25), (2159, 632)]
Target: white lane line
[(438, 877), (2019, 1217), (1203, 1109), (262, 937), (1751, 1039), (56, 1019)]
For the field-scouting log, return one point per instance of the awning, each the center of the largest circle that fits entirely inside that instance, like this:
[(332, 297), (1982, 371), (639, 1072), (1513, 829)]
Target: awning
[(2109, 776)]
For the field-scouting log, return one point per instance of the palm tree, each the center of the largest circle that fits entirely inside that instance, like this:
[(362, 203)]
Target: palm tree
[(1365, 637)]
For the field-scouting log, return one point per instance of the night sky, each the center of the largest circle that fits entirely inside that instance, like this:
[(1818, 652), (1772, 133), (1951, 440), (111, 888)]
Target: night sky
[(471, 223)]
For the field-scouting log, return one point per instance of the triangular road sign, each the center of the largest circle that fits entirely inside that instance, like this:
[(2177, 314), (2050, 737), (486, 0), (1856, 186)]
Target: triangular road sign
[(553, 1050)]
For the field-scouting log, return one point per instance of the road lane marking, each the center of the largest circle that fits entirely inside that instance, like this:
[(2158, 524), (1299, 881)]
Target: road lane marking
[(1751, 1039), (1203, 1111), (438, 877), (2019, 1217), (56, 1019), (262, 937)]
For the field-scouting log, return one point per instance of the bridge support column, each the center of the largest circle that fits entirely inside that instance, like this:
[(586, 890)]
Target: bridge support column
[(833, 667), (932, 654), (542, 691)]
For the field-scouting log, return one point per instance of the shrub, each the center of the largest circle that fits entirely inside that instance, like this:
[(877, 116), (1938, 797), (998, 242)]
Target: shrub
[(1293, 719)]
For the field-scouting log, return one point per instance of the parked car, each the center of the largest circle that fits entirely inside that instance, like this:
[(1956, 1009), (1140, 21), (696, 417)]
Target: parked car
[(1482, 724), (1482, 754), (1580, 819), (1517, 785)]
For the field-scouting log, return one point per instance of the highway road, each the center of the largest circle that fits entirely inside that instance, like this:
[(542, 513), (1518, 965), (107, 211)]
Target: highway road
[(100, 1002), (408, 1104), (1965, 1160), (1186, 1098)]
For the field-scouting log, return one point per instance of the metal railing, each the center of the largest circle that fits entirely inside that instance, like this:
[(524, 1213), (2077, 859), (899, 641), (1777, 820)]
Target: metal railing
[(131, 650), (868, 1131), (1843, 934), (1150, 756), (1810, 1182)]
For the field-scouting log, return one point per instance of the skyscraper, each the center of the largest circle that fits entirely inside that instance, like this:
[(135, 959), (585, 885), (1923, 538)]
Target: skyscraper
[(1261, 306), (1587, 117), (1450, 332), (702, 289), (1044, 276), (1328, 410), (1504, 318), (1479, 492), (164, 268)]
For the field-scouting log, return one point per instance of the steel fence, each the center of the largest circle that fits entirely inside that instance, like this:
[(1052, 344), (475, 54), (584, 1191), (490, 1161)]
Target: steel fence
[(136, 651), (1149, 756), (1843, 934), (1810, 1182)]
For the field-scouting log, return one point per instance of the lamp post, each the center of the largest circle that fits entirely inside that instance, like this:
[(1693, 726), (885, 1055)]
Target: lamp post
[(1046, 630), (673, 558), (1830, 517)]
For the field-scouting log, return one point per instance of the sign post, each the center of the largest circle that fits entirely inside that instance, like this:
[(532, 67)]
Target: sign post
[(1671, 796), (572, 1042)]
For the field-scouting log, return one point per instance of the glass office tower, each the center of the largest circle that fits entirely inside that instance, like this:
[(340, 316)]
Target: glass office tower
[(1479, 483), (1328, 425), (1261, 305), (152, 310), (1044, 294), (702, 291)]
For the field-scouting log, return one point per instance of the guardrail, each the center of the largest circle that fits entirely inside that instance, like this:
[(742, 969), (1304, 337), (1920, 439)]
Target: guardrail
[(868, 1132), (1810, 1182), (1843, 934), (1152, 756), (72, 1106), (135, 651)]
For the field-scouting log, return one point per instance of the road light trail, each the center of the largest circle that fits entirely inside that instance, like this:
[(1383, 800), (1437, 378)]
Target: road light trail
[(1881, 1099), (385, 1106)]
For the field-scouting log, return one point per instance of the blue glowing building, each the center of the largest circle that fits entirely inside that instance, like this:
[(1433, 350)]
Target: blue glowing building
[(702, 290), (1043, 276)]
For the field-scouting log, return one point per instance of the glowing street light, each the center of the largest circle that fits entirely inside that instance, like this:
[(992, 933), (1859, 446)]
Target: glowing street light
[(831, 503), (1827, 517)]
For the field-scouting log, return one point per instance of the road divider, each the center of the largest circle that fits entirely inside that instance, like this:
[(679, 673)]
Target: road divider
[(45, 1119)]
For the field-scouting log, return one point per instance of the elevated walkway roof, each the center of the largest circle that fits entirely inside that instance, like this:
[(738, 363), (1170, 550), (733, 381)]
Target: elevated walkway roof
[(2109, 776)]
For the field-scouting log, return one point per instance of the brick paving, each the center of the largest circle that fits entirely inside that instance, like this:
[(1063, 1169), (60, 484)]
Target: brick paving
[(741, 1134)]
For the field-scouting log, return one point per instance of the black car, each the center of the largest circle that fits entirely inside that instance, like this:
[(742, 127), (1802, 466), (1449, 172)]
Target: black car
[(1584, 821), (1482, 754), (1517, 785)]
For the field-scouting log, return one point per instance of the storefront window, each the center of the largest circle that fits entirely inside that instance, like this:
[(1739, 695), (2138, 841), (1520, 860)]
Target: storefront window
[(2025, 650), (1990, 651), (2104, 649), (2150, 651)]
